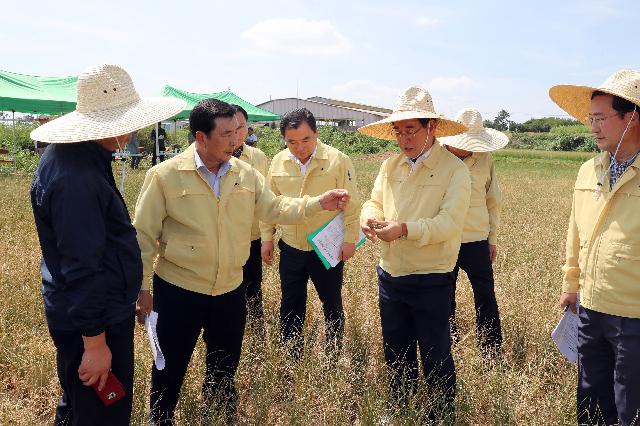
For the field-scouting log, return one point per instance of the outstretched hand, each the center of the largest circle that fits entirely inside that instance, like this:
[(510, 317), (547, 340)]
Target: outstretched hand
[(335, 199)]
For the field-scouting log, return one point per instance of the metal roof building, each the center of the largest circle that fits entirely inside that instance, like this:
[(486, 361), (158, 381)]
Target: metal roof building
[(328, 111)]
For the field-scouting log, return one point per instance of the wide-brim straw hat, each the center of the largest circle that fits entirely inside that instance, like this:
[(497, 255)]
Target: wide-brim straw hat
[(576, 100), (415, 102), (478, 138), (108, 105)]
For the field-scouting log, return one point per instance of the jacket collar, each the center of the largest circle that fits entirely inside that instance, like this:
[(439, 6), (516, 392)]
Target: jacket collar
[(187, 160), (432, 160)]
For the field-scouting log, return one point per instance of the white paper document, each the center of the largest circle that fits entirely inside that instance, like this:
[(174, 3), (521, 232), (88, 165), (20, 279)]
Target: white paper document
[(565, 335), (150, 324), (330, 239)]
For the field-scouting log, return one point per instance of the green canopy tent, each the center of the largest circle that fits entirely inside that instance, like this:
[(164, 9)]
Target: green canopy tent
[(255, 113), (36, 95)]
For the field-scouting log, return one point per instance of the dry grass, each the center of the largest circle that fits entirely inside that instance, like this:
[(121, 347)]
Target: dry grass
[(531, 385)]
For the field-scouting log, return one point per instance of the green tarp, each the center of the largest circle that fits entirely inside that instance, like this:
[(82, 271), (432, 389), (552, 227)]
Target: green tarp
[(37, 95), (255, 113)]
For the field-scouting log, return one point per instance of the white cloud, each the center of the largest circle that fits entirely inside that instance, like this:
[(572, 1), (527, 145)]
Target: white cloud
[(449, 84), (426, 22), (297, 36), (366, 92)]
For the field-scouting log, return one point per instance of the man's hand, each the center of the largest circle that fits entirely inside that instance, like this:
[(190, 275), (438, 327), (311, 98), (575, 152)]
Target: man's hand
[(96, 361), (493, 252), (335, 199), (386, 231), (570, 300), (266, 251), (347, 251), (144, 305), (369, 229)]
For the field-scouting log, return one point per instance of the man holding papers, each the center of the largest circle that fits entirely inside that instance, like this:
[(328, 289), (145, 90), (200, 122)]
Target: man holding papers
[(417, 209), (308, 167), (603, 250), (194, 217)]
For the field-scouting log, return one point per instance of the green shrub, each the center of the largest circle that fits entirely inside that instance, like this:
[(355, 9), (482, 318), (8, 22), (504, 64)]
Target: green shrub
[(559, 141), (23, 140), (576, 129)]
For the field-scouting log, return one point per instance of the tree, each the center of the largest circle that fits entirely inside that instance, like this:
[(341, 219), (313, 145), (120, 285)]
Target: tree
[(502, 122)]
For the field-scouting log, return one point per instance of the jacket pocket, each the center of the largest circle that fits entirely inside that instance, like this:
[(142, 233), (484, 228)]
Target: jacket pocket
[(188, 253)]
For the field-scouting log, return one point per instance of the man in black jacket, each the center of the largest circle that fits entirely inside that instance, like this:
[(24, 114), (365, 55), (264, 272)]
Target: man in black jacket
[(91, 266)]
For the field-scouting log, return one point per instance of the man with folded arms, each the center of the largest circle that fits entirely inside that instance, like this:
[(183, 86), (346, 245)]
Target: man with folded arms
[(194, 217), (309, 167), (417, 209), (603, 250), (91, 267)]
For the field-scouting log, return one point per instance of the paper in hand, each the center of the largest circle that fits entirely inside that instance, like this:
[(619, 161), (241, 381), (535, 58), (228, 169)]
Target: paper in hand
[(150, 323), (565, 335), (327, 241)]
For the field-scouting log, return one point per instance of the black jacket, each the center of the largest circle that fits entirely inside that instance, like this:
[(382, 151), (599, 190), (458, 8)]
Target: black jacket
[(91, 266)]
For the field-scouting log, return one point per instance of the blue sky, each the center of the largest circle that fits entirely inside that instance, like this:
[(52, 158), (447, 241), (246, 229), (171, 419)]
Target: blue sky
[(487, 55)]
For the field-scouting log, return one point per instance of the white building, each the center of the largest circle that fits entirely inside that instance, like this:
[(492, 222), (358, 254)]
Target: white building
[(343, 114)]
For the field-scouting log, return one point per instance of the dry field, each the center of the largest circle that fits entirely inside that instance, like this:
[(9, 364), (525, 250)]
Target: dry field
[(531, 384)]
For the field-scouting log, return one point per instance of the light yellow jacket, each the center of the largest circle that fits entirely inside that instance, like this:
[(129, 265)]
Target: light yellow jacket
[(329, 169), (432, 200), (196, 241), (258, 160), (483, 217), (603, 241)]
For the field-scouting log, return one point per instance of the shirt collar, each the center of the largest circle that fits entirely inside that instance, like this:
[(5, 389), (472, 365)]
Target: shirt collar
[(414, 164), (224, 167)]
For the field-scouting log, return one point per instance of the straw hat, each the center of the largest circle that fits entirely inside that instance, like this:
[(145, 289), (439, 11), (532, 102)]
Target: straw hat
[(108, 105), (414, 103), (478, 138), (576, 100)]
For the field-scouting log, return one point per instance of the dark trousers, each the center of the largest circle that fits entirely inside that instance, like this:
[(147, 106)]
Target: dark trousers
[(252, 280), (474, 259), (135, 160), (154, 157), (80, 405), (296, 267), (608, 369), (182, 314), (414, 312)]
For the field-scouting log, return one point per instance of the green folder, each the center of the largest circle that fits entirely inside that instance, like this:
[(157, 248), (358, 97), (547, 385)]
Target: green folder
[(310, 237)]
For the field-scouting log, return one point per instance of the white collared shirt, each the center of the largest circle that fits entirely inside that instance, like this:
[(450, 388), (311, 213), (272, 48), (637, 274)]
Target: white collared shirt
[(420, 159), (213, 179), (303, 167)]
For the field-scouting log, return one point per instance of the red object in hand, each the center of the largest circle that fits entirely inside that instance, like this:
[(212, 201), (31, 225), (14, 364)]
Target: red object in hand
[(112, 392)]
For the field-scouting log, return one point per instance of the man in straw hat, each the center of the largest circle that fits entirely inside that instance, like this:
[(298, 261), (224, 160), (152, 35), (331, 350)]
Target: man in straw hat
[(194, 218), (478, 250), (91, 267), (417, 209), (603, 250)]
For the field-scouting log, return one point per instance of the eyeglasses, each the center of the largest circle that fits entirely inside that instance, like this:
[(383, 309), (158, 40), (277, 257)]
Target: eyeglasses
[(409, 132), (599, 120)]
